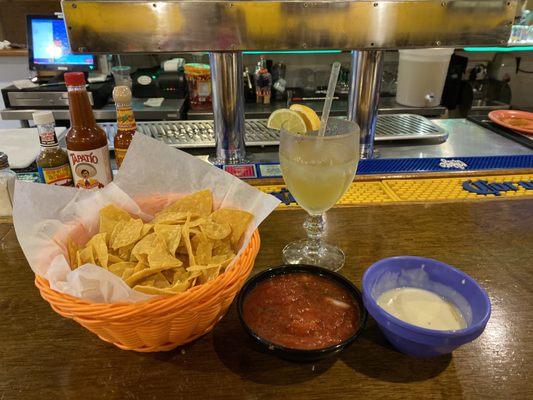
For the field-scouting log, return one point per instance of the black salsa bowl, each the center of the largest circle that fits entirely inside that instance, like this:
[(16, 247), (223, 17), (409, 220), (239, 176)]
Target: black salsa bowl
[(300, 355)]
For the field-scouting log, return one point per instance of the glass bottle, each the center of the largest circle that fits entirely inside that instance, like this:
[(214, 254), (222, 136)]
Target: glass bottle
[(87, 146), (7, 186), (126, 126), (52, 161), (263, 82)]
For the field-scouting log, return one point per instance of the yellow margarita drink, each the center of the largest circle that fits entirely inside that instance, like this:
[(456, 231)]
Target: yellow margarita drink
[(317, 180)]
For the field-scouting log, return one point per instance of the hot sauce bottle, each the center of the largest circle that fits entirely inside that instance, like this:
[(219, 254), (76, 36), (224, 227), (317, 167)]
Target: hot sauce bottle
[(52, 162), (87, 147), (126, 126)]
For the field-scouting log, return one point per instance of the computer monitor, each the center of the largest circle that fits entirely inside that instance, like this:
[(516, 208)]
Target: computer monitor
[(49, 48)]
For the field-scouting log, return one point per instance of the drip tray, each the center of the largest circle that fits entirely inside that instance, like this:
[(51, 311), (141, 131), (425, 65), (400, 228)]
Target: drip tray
[(200, 134), (407, 127)]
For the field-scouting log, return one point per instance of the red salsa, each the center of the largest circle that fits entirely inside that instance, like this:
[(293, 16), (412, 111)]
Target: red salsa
[(301, 311)]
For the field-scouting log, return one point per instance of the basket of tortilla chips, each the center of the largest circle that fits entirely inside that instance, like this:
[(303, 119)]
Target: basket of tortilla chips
[(185, 256)]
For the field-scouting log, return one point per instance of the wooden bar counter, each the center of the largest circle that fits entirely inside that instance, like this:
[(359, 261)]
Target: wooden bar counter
[(44, 356)]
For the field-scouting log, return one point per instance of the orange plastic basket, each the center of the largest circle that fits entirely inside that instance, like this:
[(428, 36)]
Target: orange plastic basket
[(162, 323)]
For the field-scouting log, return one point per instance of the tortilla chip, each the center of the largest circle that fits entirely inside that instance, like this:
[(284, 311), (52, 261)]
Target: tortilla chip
[(194, 231), (86, 256), (113, 212), (117, 228), (146, 229), (238, 220), (169, 218), (202, 267), (160, 281), (179, 287), (125, 252), (112, 259), (72, 250), (119, 268), (187, 240), (223, 259), (138, 276), (152, 290), (159, 257), (208, 275), (147, 281), (214, 230), (204, 252), (142, 258), (169, 274), (109, 217), (179, 275), (222, 247), (170, 234), (182, 249), (127, 234), (139, 267), (143, 246), (98, 243), (199, 203), (127, 273), (196, 221)]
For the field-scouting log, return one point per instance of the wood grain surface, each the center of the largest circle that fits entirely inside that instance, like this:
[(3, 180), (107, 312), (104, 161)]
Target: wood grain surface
[(14, 53), (44, 356)]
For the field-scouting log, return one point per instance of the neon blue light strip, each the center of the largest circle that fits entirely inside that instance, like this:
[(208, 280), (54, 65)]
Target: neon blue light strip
[(294, 52), (500, 49)]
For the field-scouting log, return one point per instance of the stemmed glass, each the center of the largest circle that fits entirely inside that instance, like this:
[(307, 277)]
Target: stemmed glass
[(317, 171)]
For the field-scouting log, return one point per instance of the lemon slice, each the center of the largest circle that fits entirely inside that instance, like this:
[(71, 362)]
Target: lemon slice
[(291, 120), (309, 115)]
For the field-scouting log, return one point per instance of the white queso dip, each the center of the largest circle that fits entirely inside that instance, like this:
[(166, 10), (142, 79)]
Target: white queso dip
[(422, 308)]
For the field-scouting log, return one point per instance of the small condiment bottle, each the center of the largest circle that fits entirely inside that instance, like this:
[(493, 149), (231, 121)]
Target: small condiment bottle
[(87, 147), (7, 186), (126, 126), (52, 161)]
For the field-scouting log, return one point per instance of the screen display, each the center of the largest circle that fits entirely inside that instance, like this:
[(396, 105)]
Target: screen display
[(51, 46)]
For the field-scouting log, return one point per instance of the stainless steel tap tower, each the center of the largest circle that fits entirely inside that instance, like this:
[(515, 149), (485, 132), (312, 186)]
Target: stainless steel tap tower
[(225, 28), (228, 106), (363, 99)]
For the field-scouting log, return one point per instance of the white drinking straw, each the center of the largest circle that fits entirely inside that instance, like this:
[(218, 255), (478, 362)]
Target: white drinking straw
[(335, 69)]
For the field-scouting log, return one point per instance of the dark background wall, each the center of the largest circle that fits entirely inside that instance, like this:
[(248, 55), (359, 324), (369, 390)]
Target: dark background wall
[(13, 17)]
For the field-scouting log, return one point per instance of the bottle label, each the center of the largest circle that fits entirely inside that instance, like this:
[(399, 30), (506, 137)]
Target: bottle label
[(204, 89), (48, 138), (125, 119), (60, 176), (119, 156), (91, 168)]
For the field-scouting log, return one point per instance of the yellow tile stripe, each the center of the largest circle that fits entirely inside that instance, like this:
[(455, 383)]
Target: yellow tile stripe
[(421, 189)]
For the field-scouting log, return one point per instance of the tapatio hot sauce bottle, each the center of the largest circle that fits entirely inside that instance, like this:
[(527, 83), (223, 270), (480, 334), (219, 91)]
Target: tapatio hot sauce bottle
[(126, 125), (87, 147)]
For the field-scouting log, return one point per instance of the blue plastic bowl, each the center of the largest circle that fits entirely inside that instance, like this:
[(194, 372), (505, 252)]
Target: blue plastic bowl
[(437, 277)]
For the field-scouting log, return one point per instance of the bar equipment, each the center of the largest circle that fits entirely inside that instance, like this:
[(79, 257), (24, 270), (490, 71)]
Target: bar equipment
[(201, 134), (99, 26), (421, 76)]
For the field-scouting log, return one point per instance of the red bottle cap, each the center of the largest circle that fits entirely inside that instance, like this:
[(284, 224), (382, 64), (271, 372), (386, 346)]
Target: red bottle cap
[(74, 78)]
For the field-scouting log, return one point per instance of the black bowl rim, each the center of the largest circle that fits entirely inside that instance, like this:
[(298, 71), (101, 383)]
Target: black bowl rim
[(313, 269)]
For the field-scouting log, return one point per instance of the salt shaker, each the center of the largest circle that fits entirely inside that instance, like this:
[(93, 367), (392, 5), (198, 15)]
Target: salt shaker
[(7, 186)]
